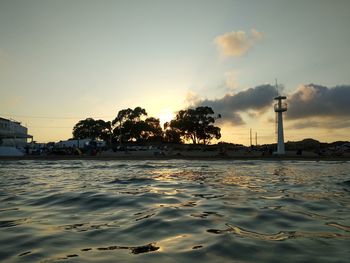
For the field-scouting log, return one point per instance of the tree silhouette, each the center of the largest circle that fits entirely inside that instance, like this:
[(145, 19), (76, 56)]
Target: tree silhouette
[(172, 134), (152, 130), (129, 124), (196, 125), (92, 129)]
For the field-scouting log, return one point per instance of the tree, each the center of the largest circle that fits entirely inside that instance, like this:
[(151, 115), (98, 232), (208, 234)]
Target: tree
[(172, 134), (105, 130), (152, 130), (128, 124), (92, 129), (196, 125)]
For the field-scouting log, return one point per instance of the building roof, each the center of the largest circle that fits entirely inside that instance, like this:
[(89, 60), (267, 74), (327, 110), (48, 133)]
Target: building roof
[(3, 119), (9, 120)]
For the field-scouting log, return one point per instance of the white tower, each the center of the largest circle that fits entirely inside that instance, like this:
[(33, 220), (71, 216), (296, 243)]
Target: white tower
[(280, 107)]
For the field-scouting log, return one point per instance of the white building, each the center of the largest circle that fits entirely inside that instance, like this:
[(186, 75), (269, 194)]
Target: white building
[(12, 133), (82, 143)]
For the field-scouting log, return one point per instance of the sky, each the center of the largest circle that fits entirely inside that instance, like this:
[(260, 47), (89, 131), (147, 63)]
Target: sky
[(66, 60)]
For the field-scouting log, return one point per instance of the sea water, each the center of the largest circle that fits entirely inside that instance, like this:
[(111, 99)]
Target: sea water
[(174, 211)]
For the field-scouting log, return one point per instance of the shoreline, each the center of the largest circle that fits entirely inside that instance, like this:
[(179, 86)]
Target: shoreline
[(153, 158)]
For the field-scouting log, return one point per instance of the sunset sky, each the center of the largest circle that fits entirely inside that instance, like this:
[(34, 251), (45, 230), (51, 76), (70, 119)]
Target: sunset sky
[(63, 61)]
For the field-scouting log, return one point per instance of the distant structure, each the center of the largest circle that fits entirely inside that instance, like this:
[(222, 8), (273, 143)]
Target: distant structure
[(280, 107), (80, 143), (12, 133), (250, 137)]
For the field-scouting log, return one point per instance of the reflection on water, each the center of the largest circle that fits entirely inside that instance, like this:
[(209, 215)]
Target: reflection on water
[(280, 236), (174, 211)]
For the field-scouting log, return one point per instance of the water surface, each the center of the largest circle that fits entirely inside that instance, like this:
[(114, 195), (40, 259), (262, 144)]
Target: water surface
[(174, 211)]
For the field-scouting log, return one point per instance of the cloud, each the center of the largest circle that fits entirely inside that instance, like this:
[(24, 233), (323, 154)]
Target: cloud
[(310, 106), (315, 106), (236, 44), (319, 101), (192, 98), (256, 99), (256, 35), (322, 123)]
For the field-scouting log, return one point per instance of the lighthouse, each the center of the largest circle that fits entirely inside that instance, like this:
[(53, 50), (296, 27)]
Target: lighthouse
[(279, 108)]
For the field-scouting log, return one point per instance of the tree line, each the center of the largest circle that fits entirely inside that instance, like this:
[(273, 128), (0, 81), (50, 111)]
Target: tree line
[(134, 125)]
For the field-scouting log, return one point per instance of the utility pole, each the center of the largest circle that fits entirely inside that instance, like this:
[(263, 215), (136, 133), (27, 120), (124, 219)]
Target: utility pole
[(251, 144), (256, 139)]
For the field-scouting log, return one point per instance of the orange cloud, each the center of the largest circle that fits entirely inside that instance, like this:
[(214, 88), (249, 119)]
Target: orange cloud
[(236, 44)]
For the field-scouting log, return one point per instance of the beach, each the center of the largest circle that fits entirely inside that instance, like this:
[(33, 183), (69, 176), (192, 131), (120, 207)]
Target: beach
[(184, 155)]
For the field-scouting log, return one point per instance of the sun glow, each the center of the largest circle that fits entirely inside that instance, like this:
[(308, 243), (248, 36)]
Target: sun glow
[(165, 115)]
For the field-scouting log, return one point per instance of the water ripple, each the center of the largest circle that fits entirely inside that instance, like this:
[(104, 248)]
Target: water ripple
[(174, 211), (280, 236)]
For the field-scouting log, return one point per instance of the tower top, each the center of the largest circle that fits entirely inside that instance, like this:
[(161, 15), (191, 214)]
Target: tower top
[(280, 97)]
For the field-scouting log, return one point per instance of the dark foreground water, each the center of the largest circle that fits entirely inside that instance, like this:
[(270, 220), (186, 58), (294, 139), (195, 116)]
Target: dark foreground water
[(174, 211)]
